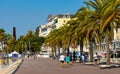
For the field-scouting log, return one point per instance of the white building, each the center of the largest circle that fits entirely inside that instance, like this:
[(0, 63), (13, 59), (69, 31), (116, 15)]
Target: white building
[(57, 21), (53, 22)]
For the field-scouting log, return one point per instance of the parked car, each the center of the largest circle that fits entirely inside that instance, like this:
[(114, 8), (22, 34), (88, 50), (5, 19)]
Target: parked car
[(45, 55)]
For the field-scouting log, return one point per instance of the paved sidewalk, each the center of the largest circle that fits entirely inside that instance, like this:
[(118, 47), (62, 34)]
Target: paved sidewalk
[(48, 66), (11, 68)]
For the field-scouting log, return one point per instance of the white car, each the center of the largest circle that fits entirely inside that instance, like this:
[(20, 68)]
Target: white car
[(45, 55)]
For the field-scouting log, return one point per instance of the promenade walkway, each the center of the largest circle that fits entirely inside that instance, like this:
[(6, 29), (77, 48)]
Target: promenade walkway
[(9, 69), (48, 66)]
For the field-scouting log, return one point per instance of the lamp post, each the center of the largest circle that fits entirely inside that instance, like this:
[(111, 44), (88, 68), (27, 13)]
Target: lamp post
[(7, 55), (29, 45), (5, 44), (114, 52), (29, 48), (2, 54)]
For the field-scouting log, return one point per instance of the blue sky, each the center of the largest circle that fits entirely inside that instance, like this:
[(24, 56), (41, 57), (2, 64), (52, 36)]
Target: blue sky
[(29, 14)]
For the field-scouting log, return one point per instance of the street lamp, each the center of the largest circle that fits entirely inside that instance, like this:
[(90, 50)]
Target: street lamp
[(5, 44), (7, 55), (114, 52), (29, 45), (1, 54)]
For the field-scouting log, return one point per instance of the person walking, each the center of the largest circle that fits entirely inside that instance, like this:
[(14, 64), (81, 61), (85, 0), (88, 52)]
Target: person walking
[(70, 59), (67, 61), (96, 59), (74, 56), (34, 56), (61, 59), (83, 58)]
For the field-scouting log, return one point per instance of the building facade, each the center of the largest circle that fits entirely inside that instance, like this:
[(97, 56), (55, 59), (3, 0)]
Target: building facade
[(57, 21), (114, 46), (53, 22)]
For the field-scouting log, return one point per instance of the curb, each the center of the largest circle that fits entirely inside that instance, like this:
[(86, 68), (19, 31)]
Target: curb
[(109, 66), (13, 72), (12, 68)]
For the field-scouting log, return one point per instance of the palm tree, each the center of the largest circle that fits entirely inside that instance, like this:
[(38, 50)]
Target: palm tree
[(86, 28), (75, 38), (54, 40), (74, 29), (107, 11), (8, 40), (111, 10), (1, 36), (20, 45), (81, 17)]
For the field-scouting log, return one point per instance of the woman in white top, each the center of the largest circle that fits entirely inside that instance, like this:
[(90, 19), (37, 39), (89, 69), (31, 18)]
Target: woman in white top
[(96, 58), (61, 59)]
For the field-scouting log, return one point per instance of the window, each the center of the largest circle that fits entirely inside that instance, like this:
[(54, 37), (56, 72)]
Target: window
[(56, 21), (53, 26), (44, 29), (64, 21)]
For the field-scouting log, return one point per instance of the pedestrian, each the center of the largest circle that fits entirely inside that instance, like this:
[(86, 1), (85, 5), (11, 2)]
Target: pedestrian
[(34, 56), (86, 57), (70, 59), (96, 59), (74, 56), (61, 59), (28, 55), (83, 58), (67, 61)]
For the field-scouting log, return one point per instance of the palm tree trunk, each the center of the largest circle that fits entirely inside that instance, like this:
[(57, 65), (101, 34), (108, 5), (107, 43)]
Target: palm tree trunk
[(1, 44), (81, 47), (52, 52), (58, 51), (108, 50), (68, 51), (91, 51), (55, 51)]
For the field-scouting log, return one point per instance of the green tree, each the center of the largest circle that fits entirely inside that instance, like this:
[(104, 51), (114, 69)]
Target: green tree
[(107, 11), (86, 28), (8, 41), (29, 42), (1, 36)]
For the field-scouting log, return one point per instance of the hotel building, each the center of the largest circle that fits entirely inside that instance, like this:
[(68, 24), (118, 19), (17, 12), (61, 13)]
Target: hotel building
[(53, 22), (57, 21)]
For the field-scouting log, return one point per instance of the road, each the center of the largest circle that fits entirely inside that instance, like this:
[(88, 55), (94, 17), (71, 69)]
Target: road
[(48, 66)]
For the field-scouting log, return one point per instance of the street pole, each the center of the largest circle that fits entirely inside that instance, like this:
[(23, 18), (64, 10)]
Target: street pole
[(29, 46), (7, 56), (6, 45), (25, 48), (2, 58), (114, 53)]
